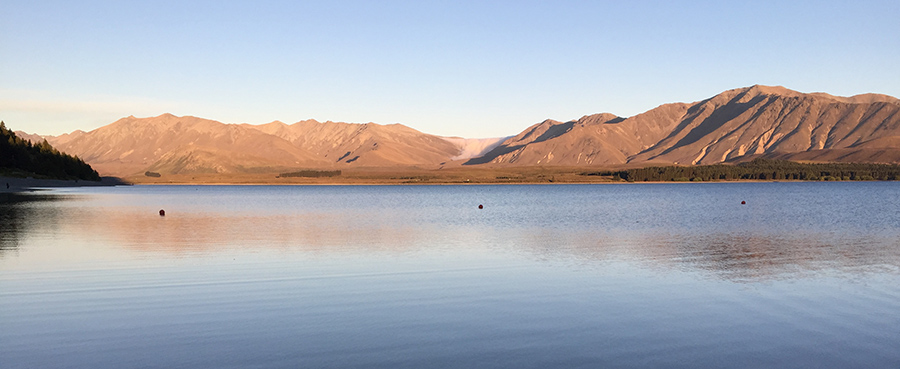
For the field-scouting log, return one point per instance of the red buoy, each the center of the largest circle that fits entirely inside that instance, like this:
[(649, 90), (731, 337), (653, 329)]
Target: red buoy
[(743, 203), (162, 212), (480, 206)]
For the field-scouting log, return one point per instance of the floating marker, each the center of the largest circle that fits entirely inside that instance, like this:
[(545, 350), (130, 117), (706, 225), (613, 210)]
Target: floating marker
[(480, 206), (162, 212), (743, 203)]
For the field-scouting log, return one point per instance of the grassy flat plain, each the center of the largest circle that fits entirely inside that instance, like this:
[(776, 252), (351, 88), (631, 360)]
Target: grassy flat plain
[(755, 170), (395, 176)]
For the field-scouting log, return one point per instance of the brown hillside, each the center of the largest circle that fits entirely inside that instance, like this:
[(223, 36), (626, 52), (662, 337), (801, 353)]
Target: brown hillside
[(182, 145), (757, 120), (761, 120), (370, 144), (171, 144), (30, 137), (734, 125)]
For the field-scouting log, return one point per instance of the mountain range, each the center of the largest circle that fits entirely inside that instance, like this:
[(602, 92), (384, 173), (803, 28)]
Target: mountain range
[(735, 125)]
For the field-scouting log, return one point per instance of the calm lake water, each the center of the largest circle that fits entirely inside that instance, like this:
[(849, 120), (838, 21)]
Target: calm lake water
[(639, 275)]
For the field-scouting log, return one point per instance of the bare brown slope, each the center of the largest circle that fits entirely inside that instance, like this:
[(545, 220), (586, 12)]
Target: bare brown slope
[(757, 120), (592, 140), (171, 144), (735, 124), (767, 120), (30, 137), (179, 145), (369, 145), (542, 144)]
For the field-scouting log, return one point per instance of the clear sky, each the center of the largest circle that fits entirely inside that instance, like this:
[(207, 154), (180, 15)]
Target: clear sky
[(471, 69)]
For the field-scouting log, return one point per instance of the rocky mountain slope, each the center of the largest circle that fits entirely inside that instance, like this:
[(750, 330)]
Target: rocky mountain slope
[(735, 125), (363, 144), (170, 144)]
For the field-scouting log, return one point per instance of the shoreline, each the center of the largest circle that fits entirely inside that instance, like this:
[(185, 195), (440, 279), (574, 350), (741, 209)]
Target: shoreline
[(29, 184), (19, 185), (439, 183)]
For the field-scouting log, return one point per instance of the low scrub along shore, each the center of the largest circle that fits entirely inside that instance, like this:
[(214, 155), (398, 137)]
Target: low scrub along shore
[(762, 170), (756, 170)]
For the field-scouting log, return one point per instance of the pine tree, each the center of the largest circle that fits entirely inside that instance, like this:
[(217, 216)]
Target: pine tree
[(42, 159)]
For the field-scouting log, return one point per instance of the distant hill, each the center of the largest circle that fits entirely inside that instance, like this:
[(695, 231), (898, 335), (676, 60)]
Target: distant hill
[(734, 126), (19, 156), (370, 144), (170, 144), (176, 145)]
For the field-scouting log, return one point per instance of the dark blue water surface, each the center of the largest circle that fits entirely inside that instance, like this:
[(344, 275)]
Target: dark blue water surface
[(638, 275)]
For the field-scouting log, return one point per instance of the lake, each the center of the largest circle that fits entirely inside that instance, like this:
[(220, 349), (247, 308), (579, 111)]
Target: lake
[(624, 275)]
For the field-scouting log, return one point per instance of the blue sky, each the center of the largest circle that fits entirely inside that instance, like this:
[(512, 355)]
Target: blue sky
[(471, 69)]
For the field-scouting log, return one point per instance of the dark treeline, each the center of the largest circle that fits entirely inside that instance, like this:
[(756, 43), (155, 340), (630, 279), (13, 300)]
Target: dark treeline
[(312, 173), (18, 155), (763, 169)]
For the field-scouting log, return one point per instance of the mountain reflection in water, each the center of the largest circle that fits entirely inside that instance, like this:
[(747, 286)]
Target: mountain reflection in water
[(659, 275), (739, 253)]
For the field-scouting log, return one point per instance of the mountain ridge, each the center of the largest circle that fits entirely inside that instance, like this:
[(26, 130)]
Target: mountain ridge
[(755, 120), (734, 125)]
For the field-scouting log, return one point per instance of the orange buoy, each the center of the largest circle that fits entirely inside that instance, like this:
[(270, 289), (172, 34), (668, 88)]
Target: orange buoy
[(162, 212), (480, 206)]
